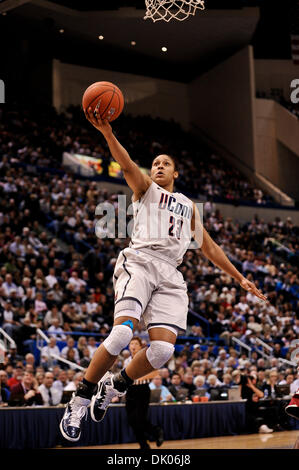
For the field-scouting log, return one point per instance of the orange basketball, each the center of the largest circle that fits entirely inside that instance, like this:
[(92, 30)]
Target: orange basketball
[(104, 97)]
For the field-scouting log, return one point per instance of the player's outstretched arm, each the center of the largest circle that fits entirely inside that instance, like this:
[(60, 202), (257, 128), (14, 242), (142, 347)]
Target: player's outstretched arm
[(215, 254), (138, 181)]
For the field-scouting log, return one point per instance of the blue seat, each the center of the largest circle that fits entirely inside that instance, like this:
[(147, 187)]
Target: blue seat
[(284, 351)]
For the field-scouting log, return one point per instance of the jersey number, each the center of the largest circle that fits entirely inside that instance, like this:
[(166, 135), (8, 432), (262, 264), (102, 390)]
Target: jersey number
[(172, 222)]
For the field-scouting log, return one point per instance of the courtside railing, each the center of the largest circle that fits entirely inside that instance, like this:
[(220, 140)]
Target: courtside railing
[(7, 340), (242, 345), (266, 351)]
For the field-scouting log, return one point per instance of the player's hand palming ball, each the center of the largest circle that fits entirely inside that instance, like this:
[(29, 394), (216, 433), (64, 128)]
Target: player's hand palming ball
[(104, 97)]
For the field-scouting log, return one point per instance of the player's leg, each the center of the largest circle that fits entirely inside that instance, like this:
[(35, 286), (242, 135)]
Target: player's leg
[(102, 361), (145, 361), (154, 357), (160, 351), (132, 284), (108, 351), (165, 314)]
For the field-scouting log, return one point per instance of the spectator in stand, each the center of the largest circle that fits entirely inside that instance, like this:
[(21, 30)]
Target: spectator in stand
[(213, 382), (227, 380), (51, 315), (13, 356), (51, 395), (16, 376), (222, 356), (62, 380), (30, 359), (26, 335), (175, 387), (56, 371), (4, 389), (9, 322), (76, 281), (200, 382), (47, 360), (56, 331), (71, 357), (71, 374), (85, 360), (25, 393), (73, 384), (156, 383), (39, 305), (51, 279), (165, 374), (81, 345), (8, 285), (40, 377), (188, 384), (261, 379), (8, 368), (92, 346), (29, 368), (295, 384)]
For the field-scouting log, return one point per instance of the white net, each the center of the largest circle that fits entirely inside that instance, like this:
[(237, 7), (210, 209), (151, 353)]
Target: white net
[(166, 10)]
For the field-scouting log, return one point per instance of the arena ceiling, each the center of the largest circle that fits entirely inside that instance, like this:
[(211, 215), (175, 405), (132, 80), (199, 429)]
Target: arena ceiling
[(193, 46)]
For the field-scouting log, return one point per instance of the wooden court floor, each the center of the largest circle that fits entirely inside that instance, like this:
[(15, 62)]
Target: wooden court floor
[(276, 440)]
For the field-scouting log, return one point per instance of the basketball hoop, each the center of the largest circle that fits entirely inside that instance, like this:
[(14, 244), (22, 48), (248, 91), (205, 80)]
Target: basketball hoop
[(167, 9)]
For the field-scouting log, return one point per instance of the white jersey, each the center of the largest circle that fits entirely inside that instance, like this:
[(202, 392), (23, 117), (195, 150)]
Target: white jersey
[(162, 222)]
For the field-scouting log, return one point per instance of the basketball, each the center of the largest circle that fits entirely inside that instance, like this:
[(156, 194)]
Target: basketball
[(105, 97)]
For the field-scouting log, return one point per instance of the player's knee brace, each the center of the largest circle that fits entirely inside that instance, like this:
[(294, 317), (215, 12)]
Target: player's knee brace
[(119, 338), (159, 353)]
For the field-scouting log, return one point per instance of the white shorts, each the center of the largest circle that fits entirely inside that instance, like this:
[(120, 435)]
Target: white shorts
[(153, 282)]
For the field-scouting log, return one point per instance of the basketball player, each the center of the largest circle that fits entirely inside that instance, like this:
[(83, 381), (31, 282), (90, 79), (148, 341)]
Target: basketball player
[(146, 282)]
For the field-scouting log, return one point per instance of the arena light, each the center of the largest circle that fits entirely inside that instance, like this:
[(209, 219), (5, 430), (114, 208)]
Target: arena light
[(101, 38), (164, 49), (133, 43)]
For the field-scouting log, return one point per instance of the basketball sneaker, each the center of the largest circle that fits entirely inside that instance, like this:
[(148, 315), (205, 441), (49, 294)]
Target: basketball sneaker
[(106, 391), (263, 429), (292, 409), (75, 411)]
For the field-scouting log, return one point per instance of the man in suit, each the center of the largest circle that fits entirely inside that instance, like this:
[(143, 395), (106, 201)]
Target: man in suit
[(188, 384), (51, 395), (26, 392), (176, 387)]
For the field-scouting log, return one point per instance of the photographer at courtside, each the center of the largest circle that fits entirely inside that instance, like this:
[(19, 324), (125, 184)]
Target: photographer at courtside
[(137, 405), (252, 393)]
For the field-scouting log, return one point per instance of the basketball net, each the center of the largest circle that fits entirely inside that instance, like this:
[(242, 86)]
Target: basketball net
[(172, 9)]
